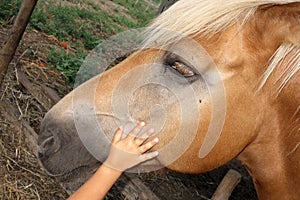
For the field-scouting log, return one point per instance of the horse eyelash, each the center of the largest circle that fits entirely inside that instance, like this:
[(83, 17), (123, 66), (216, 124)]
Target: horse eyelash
[(182, 69), (174, 62)]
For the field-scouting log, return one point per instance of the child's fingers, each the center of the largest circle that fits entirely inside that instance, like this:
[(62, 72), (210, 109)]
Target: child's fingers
[(136, 130), (140, 140), (118, 135), (148, 156), (148, 145)]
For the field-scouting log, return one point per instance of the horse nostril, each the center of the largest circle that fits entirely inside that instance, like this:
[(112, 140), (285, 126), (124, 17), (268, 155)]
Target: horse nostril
[(48, 144)]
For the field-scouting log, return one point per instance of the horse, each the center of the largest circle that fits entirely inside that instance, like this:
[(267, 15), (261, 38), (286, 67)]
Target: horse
[(252, 96)]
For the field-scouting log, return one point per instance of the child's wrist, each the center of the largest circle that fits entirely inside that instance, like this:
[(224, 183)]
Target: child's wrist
[(110, 169)]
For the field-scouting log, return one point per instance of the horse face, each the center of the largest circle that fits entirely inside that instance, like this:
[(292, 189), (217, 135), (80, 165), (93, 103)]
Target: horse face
[(178, 91), (158, 94)]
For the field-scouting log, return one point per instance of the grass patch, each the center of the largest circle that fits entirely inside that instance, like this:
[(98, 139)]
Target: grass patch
[(82, 23), (67, 63), (72, 24), (140, 10), (9, 10)]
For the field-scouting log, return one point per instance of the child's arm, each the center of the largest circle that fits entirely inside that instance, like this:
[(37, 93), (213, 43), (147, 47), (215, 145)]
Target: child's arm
[(124, 153)]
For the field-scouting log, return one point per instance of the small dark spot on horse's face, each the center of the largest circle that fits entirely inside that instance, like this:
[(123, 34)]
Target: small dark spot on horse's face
[(200, 101)]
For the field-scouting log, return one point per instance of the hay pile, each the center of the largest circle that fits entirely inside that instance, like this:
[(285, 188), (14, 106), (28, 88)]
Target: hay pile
[(20, 172)]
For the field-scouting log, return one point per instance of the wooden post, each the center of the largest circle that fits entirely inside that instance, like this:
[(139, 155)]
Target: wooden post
[(224, 190), (8, 50)]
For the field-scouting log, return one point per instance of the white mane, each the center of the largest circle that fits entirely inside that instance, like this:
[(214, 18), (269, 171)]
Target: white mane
[(292, 66), (205, 17)]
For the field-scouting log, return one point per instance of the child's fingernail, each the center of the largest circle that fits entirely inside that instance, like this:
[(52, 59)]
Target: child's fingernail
[(155, 140), (142, 123), (121, 128)]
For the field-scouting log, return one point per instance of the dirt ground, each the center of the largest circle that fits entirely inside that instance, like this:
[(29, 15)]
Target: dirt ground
[(21, 175)]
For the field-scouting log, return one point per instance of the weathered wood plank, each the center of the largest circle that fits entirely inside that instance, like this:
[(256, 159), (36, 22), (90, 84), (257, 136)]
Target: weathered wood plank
[(45, 96), (20, 126), (134, 188), (227, 185)]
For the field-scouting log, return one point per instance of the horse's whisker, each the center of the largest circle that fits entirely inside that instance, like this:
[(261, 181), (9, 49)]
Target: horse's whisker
[(115, 117)]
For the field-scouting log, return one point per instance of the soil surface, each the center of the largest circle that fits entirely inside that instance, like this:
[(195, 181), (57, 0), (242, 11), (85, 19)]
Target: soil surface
[(21, 175)]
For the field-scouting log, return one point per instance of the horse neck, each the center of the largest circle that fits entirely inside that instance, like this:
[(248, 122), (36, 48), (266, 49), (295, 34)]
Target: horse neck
[(273, 158), (268, 20)]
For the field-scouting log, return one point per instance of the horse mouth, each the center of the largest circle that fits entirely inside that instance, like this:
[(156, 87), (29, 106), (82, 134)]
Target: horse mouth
[(73, 179)]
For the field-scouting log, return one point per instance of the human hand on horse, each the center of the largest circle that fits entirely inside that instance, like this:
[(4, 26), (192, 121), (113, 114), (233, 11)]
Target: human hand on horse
[(130, 151), (124, 153)]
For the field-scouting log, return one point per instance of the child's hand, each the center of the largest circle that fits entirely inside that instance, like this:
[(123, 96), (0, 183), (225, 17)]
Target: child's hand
[(128, 152)]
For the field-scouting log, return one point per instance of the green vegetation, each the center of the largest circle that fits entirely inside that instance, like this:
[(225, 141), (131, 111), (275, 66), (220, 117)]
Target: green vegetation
[(9, 9), (141, 10), (67, 63), (81, 23)]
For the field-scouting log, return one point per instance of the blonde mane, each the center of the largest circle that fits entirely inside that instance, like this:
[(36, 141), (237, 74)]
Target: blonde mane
[(205, 17), (292, 66)]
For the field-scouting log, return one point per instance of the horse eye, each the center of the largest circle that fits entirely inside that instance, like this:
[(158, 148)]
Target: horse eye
[(175, 63), (182, 69)]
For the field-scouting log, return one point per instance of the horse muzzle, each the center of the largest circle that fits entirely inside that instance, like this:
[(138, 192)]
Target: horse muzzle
[(60, 148)]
